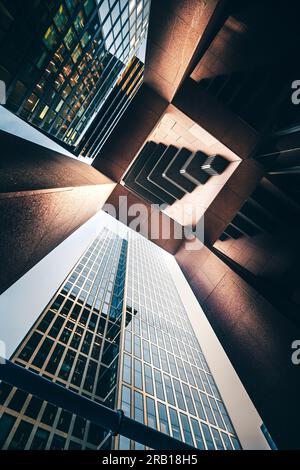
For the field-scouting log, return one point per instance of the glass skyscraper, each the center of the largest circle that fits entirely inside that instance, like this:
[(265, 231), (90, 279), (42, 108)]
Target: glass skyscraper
[(60, 60), (118, 333)]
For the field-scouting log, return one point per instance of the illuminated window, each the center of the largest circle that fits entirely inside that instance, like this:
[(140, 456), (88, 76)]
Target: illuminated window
[(60, 54), (40, 87), (61, 19), (59, 81), (85, 39), (31, 103), (72, 4), (44, 112), (50, 38), (89, 7), (70, 39), (76, 54), (79, 21)]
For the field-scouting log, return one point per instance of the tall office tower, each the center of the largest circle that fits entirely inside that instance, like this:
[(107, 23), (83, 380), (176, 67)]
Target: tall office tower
[(118, 333), (61, 59)]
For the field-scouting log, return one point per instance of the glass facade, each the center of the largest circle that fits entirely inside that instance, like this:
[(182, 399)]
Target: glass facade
[(74, 343), (124, 91), (81, 49), (165, 381), (117, 332)]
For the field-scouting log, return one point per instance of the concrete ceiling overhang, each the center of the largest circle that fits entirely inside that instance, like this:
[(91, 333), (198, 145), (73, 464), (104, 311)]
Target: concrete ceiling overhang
[(178, 32)]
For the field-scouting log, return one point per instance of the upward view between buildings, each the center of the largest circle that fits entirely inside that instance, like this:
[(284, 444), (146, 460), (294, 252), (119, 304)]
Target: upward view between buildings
[(177, 113)]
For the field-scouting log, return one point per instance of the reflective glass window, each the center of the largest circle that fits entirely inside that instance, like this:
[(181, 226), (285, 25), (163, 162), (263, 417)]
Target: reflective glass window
[(188, 438), (175, 424), (61, 18), (151, 414), (197, 434), (138, 407), (163, 418), (50, 37)]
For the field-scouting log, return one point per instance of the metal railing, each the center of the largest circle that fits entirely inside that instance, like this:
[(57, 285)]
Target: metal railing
[(111, 420)]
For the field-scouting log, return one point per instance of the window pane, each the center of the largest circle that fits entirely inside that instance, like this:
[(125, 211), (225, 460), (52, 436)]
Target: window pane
[(169, 390), (61, 19), (226, 440), (175, 424), (236, 443), (43, 352), (197, 434), (138, 374), (64, 421), (17, 401), (89, 7), (163, 419), (217, 438), (70, 39), (126, 400), (138, 407), (127, 368), (6, 423), (79, 21), (159, 385), (148, 379), (50, 38), (151, 415), (21, 436), (207, 436), (188, 438), (40, 439)]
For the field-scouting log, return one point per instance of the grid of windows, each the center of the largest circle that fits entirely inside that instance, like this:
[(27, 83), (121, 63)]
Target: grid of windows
[(82, 49), (75, 343), (163, 361), (117, 332)]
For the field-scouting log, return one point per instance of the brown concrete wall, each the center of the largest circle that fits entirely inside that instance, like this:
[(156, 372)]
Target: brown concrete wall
[(256, 338), (26, 166), (175, 30), (44, 197), (230, 199), (216, 119)]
